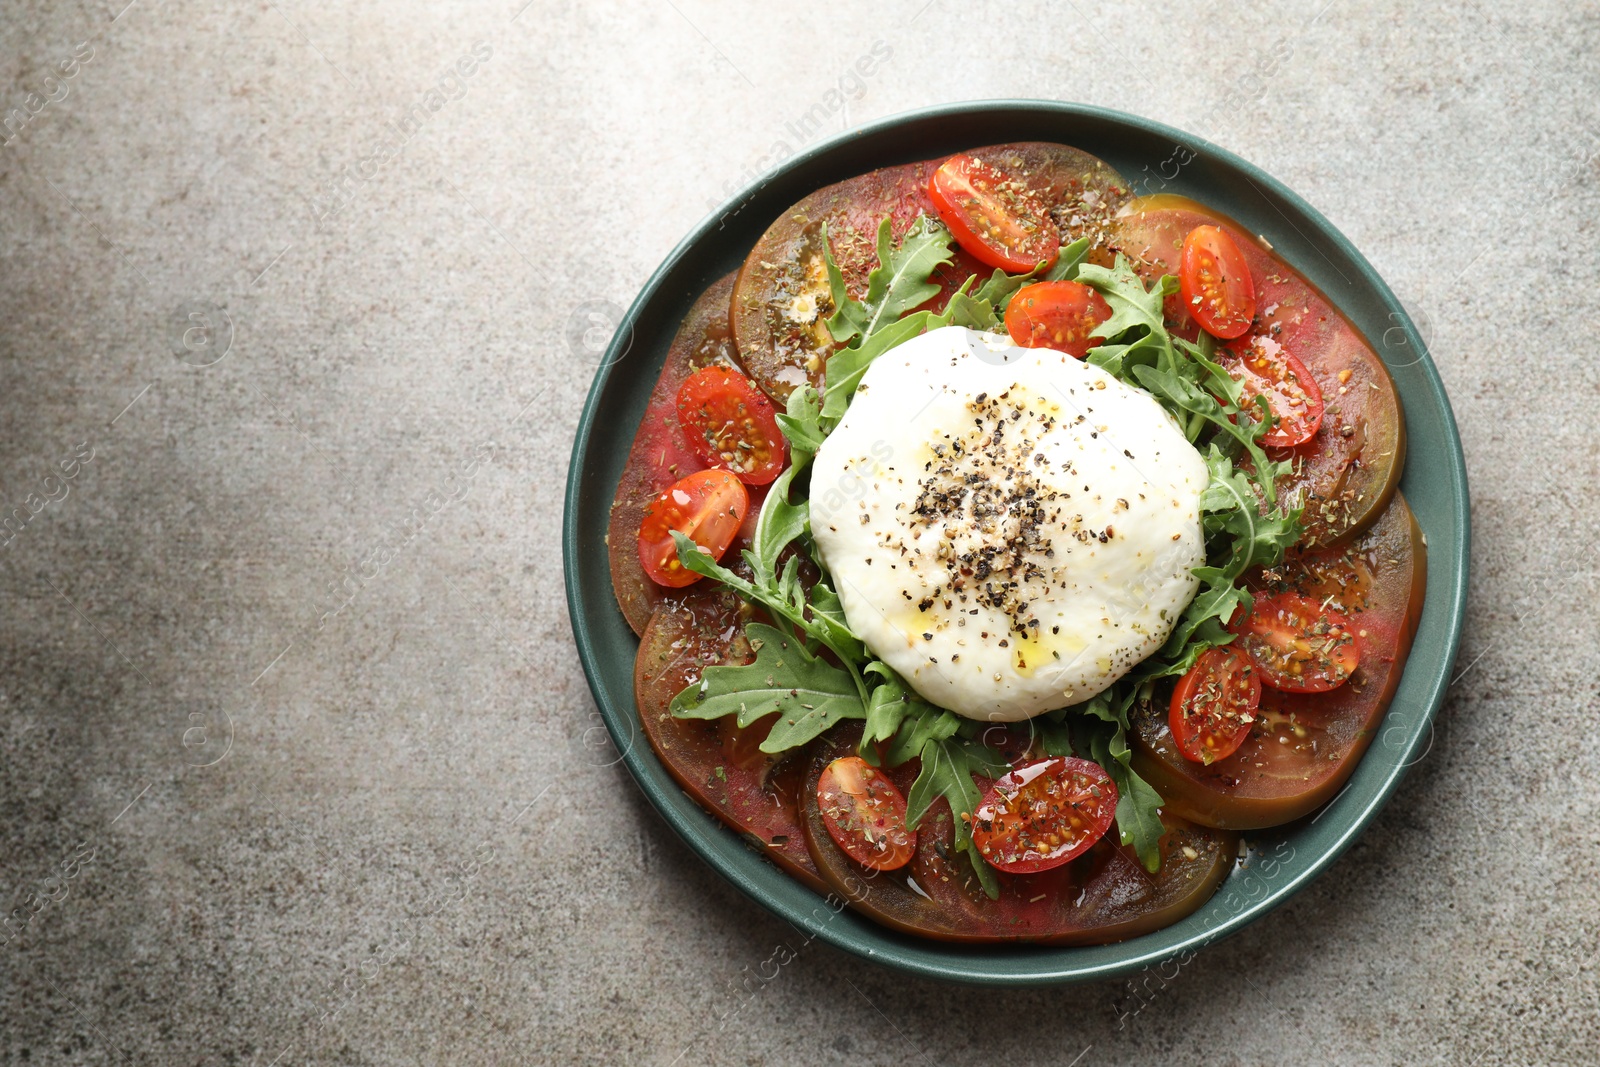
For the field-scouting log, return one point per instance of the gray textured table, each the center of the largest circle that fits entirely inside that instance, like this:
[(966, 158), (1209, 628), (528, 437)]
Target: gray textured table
[(290, 717)]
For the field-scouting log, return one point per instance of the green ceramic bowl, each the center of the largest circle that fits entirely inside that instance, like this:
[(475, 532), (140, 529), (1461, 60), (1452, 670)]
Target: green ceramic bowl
[(1154, 158)]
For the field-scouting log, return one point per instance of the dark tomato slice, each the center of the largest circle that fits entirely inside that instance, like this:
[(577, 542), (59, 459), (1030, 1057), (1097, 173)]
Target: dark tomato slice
[(731, 425), (1265, 368), (719, 765), (1214, 282), (1303, 747), (1346, 474), (1299, 645), (1104, 895), (660, 455), (708, 506), (1214, 704), (865, 814), (1042, 814), (994, 216), (781, 303), (1058, 315)]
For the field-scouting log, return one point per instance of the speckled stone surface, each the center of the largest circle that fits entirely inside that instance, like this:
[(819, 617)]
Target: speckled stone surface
[(292, 731)]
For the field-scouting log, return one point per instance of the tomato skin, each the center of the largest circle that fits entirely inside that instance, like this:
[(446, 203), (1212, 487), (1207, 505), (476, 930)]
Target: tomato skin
[(865, 814), (708, 506), (1214, 282), (1079, 802), (1214, 705), (996, 221), (1265, 368), (730, 425), (1059, 315), (1297, 644)]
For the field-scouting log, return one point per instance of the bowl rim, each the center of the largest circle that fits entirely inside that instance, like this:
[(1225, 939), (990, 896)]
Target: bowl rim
[(1020, 965)]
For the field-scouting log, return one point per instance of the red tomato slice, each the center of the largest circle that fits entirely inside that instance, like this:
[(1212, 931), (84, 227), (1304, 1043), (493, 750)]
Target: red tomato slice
[(1059, 315), (1214, 282), (1265, 368), (1042, 814), (1298, 644), (994, 217), (865, 814), (731, 425), (708, 506), (1214, 705)]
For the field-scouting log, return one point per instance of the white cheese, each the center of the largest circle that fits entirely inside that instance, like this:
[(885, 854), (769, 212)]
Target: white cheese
[(1010, 529)]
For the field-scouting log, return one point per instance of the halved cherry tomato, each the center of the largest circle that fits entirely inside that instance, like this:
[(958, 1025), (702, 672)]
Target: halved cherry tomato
[(865, 814), (731, 425), (1265, 368), (708, 506), (993, 216), (1298, 644), (1214, 282), (1042, 814), (1059, 315), (1214, 705)]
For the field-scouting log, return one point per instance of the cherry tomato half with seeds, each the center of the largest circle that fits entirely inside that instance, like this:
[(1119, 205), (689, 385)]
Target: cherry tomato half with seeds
[(1214, 705), (865, 814), (708, 506), (1297, 644), (993, 216), (732, 425), (1214, 282), (1044, 813), (1263, 367), (1058, 315)]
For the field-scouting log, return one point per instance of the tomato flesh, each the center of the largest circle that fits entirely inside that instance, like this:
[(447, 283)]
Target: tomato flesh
[(1264, 368), (1042, 814), (716, 763), (708, 506), (993, 216), (865, 814), (1214, 282), (660, 455), (1214, 704), (731, 425), (1059, 315), (1298, 644)]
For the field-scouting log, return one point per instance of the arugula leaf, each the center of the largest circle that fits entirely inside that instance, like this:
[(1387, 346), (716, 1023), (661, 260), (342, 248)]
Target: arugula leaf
[(783, 597), (948, 765), (808, 693), (801, 423), (1138, 804), (889, 705), (897, 284), (1068, 262), (1131, 304)]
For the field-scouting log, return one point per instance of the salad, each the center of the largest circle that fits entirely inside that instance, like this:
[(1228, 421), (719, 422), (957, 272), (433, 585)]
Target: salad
[(1002, 545)]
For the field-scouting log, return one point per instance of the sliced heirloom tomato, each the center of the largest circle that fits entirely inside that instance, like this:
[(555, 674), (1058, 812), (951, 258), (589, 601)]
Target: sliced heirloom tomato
[(865, 814), (718, 764), (782, 301), (1103, 895), (1214, 704), (709, 506), (1346, 473), (1264, 368), (1303, 746), (1059, 315), (732, 425), (661, 454), (1043, 813), (1297, 644), (995, 216), (1214, 282)]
